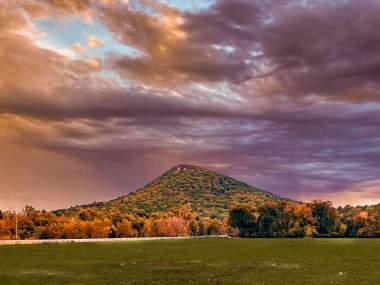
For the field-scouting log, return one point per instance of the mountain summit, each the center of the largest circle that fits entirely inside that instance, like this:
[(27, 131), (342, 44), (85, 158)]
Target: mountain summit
[(207, 192)]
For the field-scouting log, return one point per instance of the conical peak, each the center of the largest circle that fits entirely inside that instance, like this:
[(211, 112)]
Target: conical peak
[(183, 167)]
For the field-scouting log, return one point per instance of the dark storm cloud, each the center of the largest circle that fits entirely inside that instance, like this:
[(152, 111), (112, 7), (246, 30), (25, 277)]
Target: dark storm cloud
[(326, 48)]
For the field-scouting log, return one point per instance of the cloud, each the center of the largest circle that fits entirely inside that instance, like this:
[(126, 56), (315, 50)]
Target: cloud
[(169, 55), (70, 5), (78, 48), (320, 48), (283, 95), (82, 8), (93, 42)]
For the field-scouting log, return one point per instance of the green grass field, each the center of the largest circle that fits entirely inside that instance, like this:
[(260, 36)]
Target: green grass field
[(195, 261)]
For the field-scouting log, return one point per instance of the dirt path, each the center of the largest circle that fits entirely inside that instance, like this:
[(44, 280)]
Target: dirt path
[(43, 241)]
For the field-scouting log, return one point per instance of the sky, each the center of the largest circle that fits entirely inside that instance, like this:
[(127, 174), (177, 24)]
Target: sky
[(99, 97)]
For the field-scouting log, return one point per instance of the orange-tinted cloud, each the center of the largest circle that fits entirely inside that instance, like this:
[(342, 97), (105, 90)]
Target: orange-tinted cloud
[(170, 54), (78, 48), (93, 42)]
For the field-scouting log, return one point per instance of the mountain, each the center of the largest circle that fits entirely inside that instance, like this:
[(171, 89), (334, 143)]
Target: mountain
[(207, 192)]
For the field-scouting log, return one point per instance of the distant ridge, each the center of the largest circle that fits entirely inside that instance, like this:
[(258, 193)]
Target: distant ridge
[(207, 192)]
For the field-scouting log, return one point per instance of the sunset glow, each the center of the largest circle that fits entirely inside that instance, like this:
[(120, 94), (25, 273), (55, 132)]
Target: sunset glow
[(97, 98)]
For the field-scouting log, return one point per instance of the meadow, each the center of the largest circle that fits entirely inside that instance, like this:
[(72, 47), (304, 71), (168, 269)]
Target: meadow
[(195, 261)]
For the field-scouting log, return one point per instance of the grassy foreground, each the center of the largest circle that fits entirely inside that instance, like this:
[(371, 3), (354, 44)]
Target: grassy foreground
[(195, 261)]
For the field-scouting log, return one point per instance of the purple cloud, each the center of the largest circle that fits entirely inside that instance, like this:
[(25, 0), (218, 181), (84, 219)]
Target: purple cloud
[(281, 95)]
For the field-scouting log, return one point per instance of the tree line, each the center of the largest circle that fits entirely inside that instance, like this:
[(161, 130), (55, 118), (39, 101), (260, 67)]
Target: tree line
[(93, 223), (315, 219), (270, 219)]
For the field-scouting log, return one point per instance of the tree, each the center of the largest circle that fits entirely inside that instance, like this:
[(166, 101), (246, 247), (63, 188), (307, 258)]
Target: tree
[(98, 228), (326, 218), (172, 226), (5, 233), (310, 231), (149, 229), (243, 217), (270, 221), (26, 227), (124, 229), (51, 231), (193, 227), (73, 228)]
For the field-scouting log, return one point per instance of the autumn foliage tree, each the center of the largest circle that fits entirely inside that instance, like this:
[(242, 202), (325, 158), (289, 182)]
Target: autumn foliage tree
[(125, 230)]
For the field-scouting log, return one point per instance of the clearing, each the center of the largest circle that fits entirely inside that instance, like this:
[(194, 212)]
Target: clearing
[(194, 261)]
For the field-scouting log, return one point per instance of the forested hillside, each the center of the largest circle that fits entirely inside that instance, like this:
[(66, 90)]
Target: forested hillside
[(209, 194)]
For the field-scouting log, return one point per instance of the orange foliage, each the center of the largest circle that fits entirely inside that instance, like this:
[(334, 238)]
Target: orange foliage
[(148, 229), (172, 226), (124, 229), (98, 228)]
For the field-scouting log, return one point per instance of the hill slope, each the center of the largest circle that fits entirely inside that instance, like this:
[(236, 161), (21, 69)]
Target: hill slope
[(207, 192)]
